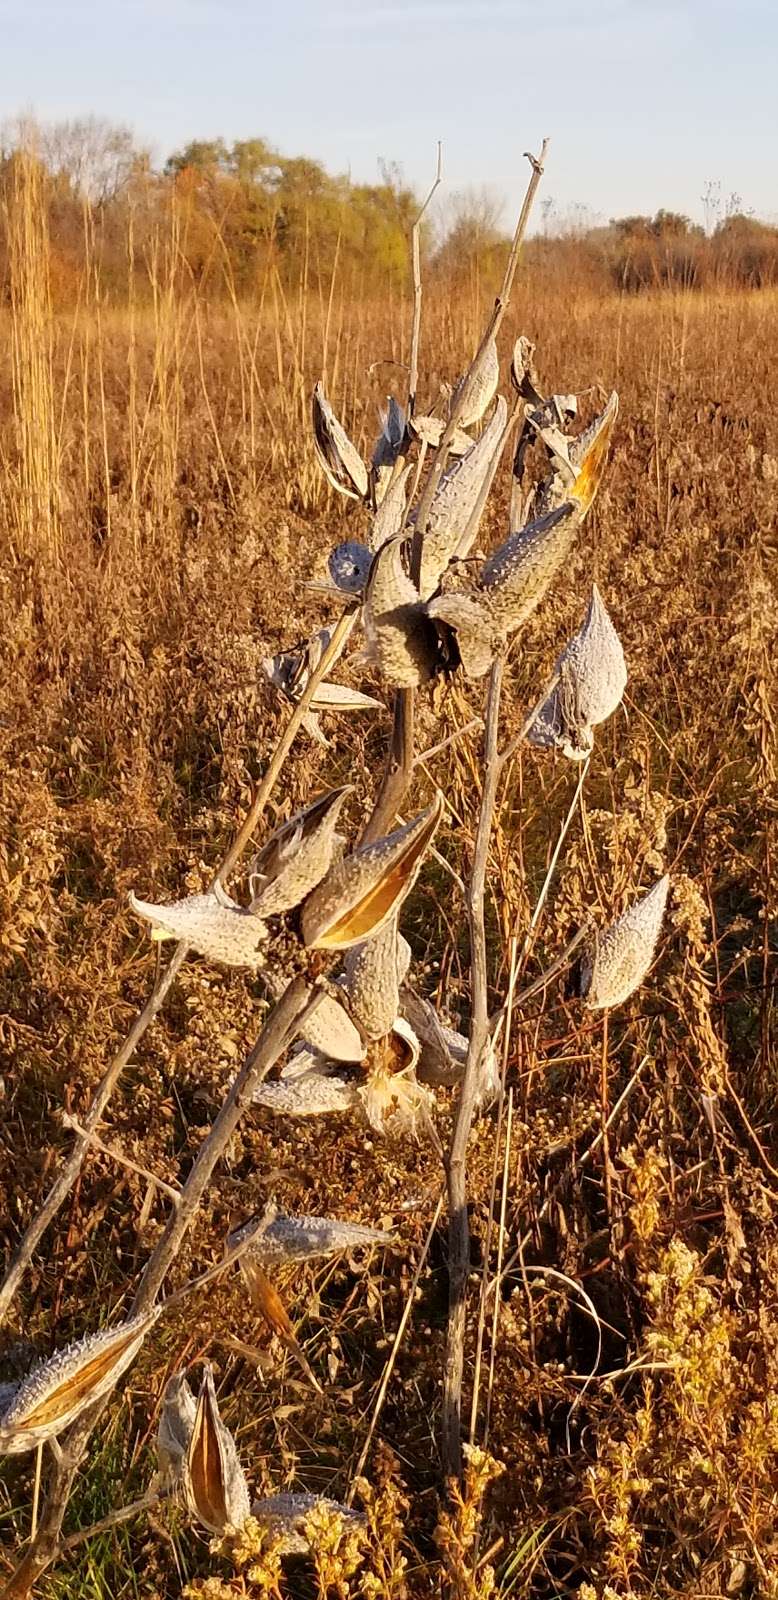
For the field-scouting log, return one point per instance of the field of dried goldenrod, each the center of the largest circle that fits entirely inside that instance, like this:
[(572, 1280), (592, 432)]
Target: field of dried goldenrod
[(161, 513)]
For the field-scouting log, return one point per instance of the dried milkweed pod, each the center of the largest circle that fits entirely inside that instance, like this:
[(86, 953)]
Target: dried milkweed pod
[(443, 1050), (387, 448), (214, 1484), (619, 957), (394, 1101), (333, 1033), (467, 631), (372, 981), (176, 1421), (518, 575), (429, 431), (578, 462), (592, 679), (363, 891), (389, 519), (454, 503), (339, 458), (58, 1389), (285, 1238), (315, 1093), (213, 924), (397, 628), (475, 391), (289, 1517), (298, 855)]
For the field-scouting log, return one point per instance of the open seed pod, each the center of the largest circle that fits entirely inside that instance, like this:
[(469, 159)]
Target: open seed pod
[(298, 855), (518, 575), (363, 891), (215, 1487), (429, 431), (339, 458), (592, 679), (578, 462), (372, 981), (212, 923), (55, 1392), (284, 1238), (394, 1101), (454, 503), (333, 1033), (387, 448), (619, 957), (398, 633), (443, 1051), (477, 388), (467, 631), (315, 1093), (176, 1421), (286, 1516)]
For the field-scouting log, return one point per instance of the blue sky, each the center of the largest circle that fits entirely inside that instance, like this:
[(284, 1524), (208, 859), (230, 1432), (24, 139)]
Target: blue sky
[(644, 101)]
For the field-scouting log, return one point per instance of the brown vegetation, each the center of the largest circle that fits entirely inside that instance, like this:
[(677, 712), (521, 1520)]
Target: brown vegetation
[(160, 514)]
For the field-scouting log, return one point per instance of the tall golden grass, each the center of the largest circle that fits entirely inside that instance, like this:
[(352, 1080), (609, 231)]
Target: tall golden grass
[(160, 514)]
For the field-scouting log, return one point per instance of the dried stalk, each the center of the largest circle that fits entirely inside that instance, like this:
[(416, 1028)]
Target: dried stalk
[(492, 328), (456, 1165), (66, 1178), (278, 1032)]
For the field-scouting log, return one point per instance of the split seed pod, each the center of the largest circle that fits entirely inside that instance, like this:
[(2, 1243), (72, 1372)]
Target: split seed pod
[(299, 854), (339, 458), (592, 680), (455, 501), (176, 1421), (213, 924), (215, 1487), (57, 1390), (620, 956), (388, 447), (363, 891), (315, 1093), (429, 431), (332, 1032), (578, 462), (478, 387), (397, 629)]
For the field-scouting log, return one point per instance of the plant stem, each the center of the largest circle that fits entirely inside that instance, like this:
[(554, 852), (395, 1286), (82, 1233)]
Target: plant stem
[(456, 1166)]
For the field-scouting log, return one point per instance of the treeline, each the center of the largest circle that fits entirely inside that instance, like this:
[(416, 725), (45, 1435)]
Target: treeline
[(230, 217)]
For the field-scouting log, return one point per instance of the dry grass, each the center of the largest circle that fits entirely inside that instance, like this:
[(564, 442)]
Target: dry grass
[(160, 512)]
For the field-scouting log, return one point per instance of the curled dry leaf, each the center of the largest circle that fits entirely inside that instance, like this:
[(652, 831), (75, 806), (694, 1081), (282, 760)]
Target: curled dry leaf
[(298, 855), (363, 891), (58, 1389), (213, 924), (387, 448), (214, 1484), (619, 957), (339, 458), (592, 679)]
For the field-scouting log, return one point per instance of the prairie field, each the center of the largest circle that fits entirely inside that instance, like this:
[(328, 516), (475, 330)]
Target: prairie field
[(162, 514)]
